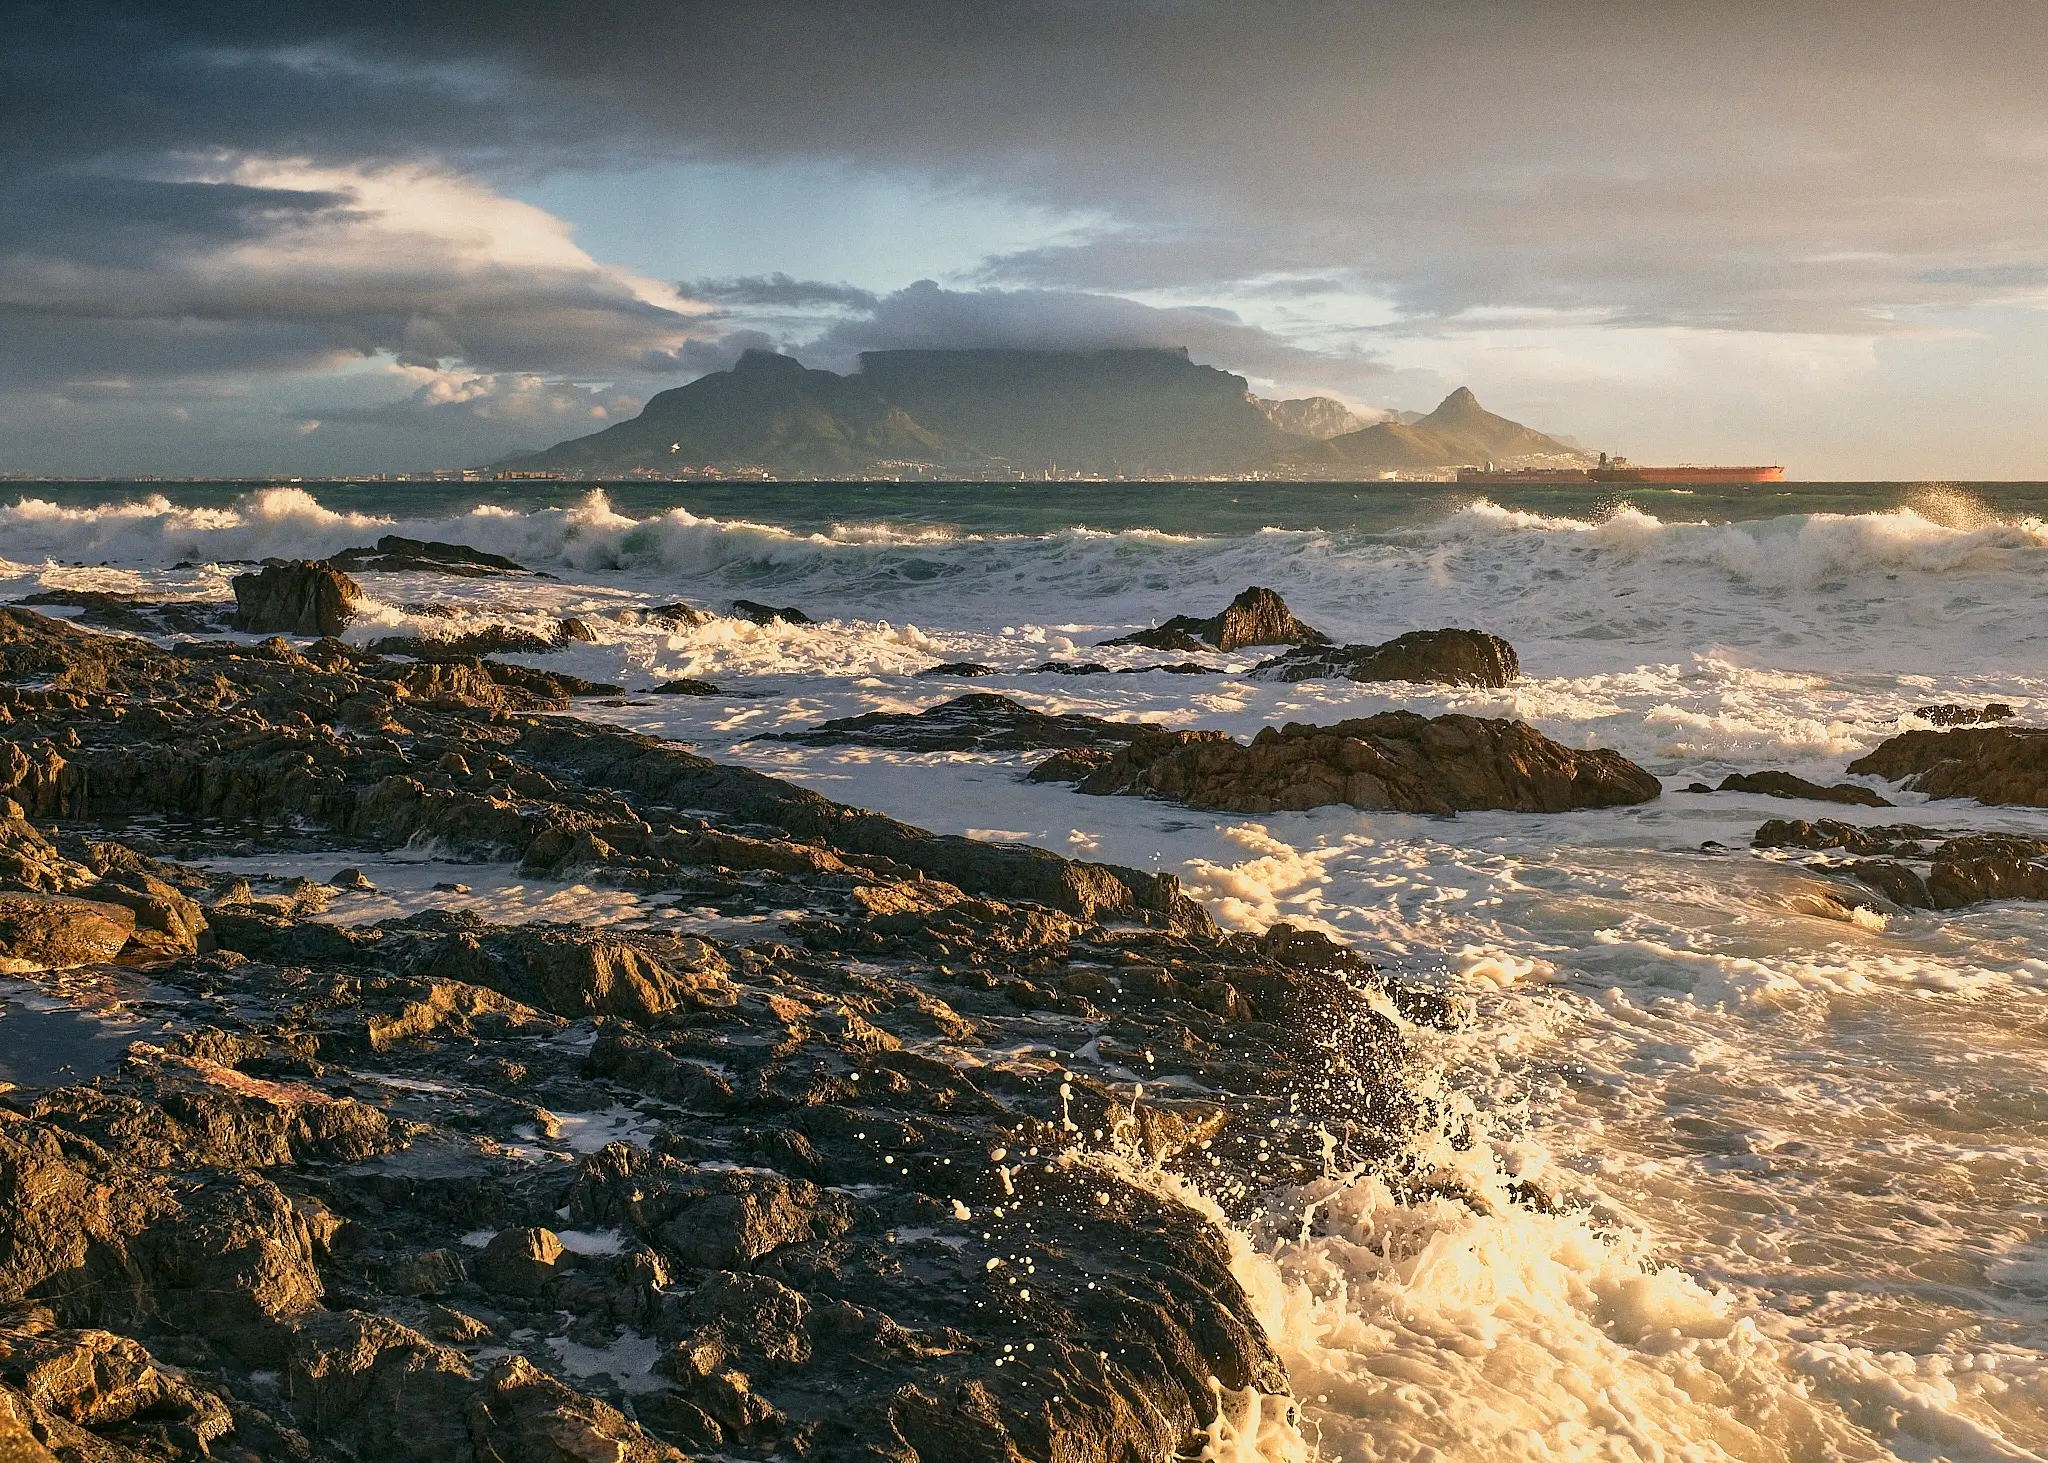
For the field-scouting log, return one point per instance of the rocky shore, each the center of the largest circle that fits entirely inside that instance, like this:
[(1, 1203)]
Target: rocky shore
[(869, 1151)]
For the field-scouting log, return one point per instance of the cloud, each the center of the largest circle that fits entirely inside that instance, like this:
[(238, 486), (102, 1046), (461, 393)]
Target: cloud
[(265, 264), (779, 290), (925, 316)]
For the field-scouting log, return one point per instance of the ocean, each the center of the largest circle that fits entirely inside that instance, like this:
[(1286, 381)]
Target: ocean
[(1796, 1159)]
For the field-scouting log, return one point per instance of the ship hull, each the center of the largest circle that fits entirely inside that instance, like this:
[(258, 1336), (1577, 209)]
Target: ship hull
[(1655, 476)]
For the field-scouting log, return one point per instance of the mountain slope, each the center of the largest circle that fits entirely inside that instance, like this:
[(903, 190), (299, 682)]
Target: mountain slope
[(1316, 417), (1460, 432), (1111, 411), (767, 410), (1005, 413)]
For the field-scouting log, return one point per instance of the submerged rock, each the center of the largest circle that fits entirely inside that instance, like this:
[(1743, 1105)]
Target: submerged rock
[(1256, 617), (1992, 765), (136, 614), (685, 686), (1397, 760), (1443, 657), (1785, 785), (1921, 868), (980, 721), (295, 597), (961, 668)]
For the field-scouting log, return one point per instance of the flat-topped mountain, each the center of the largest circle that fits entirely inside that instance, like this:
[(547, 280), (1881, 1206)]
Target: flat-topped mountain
[(1019, 413)]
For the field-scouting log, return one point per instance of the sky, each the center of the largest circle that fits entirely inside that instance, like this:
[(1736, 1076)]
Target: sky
[(244, 238)]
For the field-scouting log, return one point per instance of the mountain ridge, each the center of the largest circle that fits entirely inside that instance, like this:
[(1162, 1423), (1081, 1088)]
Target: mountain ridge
[(1005, 414)]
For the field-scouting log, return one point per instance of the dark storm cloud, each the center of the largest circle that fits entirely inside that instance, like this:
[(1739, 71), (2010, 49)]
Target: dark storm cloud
[(1777, 166), (779, 291)]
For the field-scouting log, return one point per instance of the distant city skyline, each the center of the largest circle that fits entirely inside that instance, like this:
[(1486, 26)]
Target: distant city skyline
[(369, 238)]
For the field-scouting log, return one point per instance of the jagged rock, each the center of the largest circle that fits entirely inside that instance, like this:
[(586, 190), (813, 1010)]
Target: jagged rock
[(352, 879), (28, 860), (1994, 765), (1395, 760), (573, 629), (574, 972), (1068, 668), (1960, 869), (980, 721), (1785, 785), (1442, 657), (276, 1191), (295, 597), (521, 1261), (56, 931), (685, 686), (1950, 713), (1256, 617), (760, 614), (961, 668), (396, 555)]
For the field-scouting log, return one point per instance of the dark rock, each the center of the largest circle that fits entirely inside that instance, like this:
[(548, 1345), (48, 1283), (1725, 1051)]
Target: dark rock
[(1068, 668), (55, 931), (397, 555), (1256, 617), (576, 972), (521, 1261), (1785, 785), (980, 721), (1395, 760), (685, 686), (958, 668), (1441, 657), (271, 1192), (1994, 765), (295, 597), (1950, 713), (760, 614), (491, 640), (682, 615), (1876, 838), (573, 629), (1959, 869), (135, 613)]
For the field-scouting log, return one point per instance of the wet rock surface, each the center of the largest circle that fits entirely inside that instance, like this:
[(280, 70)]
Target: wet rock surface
[(1442, 657), (1992, 765), (1397, 760), (1785, 785), (891, 1178), (761, 614), (1256, 617), (1921, 868), (396, 555), (295, 597), (137, 614), (977, 722)]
